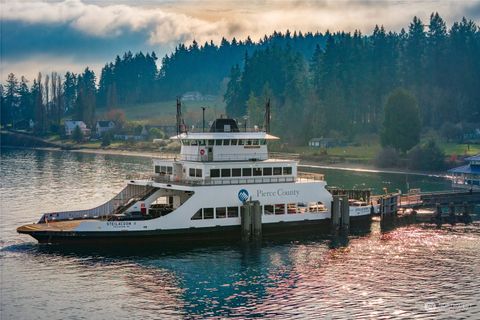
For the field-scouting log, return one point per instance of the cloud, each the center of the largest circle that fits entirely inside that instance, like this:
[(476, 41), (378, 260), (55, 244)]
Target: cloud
[(83, 32)]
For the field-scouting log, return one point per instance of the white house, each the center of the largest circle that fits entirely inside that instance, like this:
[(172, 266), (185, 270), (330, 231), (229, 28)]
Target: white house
[(104, 126), (70, 126)]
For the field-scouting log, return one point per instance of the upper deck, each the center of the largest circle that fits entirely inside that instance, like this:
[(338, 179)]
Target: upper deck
[(224, 142)]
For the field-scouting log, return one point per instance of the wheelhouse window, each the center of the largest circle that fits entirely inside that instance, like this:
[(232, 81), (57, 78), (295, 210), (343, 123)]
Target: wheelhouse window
[(263, 142), (277, 171), (232, 212), (267, 171), (287, 170), (214, 173), (208, 213), (236, 172), (257, 172), (247, 172), (226, 173), (221, 212)]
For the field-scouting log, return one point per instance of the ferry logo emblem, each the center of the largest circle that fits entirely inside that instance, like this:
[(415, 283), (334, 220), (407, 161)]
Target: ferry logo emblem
[(243, 195)]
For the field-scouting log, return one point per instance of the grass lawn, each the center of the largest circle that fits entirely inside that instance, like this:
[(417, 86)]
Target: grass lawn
[(460, 149), (164, 112)]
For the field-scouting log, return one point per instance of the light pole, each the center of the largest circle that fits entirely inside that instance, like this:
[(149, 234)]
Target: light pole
[(203, 119), (245, 118)]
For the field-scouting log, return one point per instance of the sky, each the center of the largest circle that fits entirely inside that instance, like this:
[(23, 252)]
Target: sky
[(66, 35)]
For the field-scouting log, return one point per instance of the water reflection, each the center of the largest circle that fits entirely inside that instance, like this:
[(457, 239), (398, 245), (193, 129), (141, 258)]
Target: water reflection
[(381, 271)]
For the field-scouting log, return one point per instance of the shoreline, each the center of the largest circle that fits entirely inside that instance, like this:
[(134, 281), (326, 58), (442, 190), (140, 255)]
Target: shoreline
[(304, 164)]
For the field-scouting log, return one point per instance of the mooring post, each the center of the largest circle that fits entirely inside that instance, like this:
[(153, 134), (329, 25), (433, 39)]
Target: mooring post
[(345, 214), (246, 221), (335, 213), (451, 213), (256, 220)]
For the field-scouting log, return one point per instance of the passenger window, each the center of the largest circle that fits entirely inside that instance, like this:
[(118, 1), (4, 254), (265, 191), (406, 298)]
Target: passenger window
[(211, 142), (169, 170), (263, 142), (218, 142), (240, 142), (248, 142), (163, 169), (247, 172), (214, 173), (191, 172), (226, 142), (287, 170), (198, 173), (208, 213), (277, 171), (194, 143), (232, 212), (197, 215), (268, 209), (226, 173), (236, 172), (267, 171), (201, 142), (257, 172), (255, 142), (234, 142), (280, 208), (157, 169), (221, 212), (292, 208)]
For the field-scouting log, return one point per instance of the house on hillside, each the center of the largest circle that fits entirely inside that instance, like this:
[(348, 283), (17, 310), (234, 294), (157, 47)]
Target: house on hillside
[(197, 96), (103, 126), (323, 143), (70, 126)]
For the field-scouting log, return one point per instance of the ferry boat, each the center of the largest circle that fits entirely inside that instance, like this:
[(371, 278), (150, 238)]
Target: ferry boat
[(199, 194)]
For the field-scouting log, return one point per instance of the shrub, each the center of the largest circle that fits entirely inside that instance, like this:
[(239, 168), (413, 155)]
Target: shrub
[(426, 157), (387, 158), (106, 139), (77, 134)]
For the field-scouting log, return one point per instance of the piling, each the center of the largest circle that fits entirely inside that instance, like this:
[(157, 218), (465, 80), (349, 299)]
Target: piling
[(336, 213), (251, 220), (256, 220), (246, 221), (345, 223), (452, 219)]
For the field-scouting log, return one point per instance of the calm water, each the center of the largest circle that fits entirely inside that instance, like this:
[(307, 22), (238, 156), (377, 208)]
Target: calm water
[(411, 272)]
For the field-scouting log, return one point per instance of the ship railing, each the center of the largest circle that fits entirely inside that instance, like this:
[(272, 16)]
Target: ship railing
[(169, 179), (310, 176), (106, 209), (227, 157)]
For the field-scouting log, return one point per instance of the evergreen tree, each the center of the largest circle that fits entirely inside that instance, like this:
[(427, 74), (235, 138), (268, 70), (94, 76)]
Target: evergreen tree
[(401, 127)]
